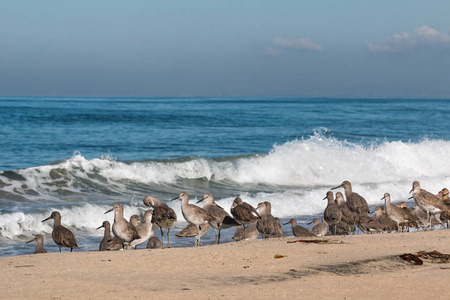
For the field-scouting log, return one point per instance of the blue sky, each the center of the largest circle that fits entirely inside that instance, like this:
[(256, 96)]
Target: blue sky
[(225, 48)]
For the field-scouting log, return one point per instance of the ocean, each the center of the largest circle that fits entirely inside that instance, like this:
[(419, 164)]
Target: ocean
[(81, 155)]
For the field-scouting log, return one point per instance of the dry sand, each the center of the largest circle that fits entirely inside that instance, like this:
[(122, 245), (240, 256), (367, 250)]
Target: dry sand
[(346, 267)]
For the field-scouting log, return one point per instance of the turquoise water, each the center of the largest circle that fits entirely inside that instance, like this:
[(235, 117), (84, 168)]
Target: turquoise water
[(80, 155)]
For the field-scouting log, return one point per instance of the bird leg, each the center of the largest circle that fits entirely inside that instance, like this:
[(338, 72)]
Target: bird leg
[(162, 237), (168, 242)]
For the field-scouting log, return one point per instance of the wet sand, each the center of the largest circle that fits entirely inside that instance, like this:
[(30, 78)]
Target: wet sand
[(345, 267)]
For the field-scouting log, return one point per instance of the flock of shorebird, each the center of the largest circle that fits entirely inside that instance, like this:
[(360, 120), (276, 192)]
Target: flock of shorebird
[(341, 216)]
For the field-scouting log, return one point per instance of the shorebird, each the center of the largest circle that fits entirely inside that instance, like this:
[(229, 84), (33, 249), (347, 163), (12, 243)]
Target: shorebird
[(395, 213), (298, 230), (163, 216), (243, 213), (191, 230), (122, 228), (332, 213), (347, 218), (135, 220), (154, 243), (367, 224), (144, 229), (40, 244), (319, 229), (221, 219), (251, 233), (267, 225), (430, 203), (403, 205), (444, 196), (62, 236), (107, 244), (355, 202), (388, 224), (194, 215)]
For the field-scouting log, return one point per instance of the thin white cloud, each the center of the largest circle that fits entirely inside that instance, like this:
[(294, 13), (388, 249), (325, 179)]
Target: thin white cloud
[(423, 38), (271, 51), (303, 44)]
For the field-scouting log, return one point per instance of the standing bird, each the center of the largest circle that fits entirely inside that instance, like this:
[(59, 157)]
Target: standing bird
[(397, 214), (193, 215), (387, 224), (122, 228), (106, 244), (298, 230), (267, 225), (40, 244), (355, 202), (243, 213), (429, 203), (62, 236), (144, 229), (163, 216), (332, 213), (319, 229), (221, 219), (348, 219)]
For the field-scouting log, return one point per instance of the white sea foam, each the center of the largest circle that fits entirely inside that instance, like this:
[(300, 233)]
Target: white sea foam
[(294, 177)]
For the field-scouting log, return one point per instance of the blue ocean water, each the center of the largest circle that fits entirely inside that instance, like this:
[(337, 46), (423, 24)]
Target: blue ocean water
[(80, 155)]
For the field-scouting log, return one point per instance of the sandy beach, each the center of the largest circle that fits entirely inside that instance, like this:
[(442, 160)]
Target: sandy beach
[(340, 267)]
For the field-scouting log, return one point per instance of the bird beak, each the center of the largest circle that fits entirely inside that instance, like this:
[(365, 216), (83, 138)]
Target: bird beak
[(46, 219), (286, 223), (337, 187), (411, 190), (310, 223), (29, 241), (411, 198), (324, 198), (99, 227), (200, 200), (109, 210), (383, 198), (176, 198)]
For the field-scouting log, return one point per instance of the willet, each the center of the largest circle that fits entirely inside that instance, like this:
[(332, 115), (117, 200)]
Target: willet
[(194, 215), (62, 236), (122, 228), (298, 230), (267, 225), (422, 217), (154, 243), (395, 213), (163, 216), (355, 202), (367, 224), (107, 244), (430, 203), (347, 216), (319, 229), (191, 230), (332, 213), (388, 224), (221, 219), (403, 205), (135, 220), (243, 213), (251, 233), (144, 229), (40, 244)]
